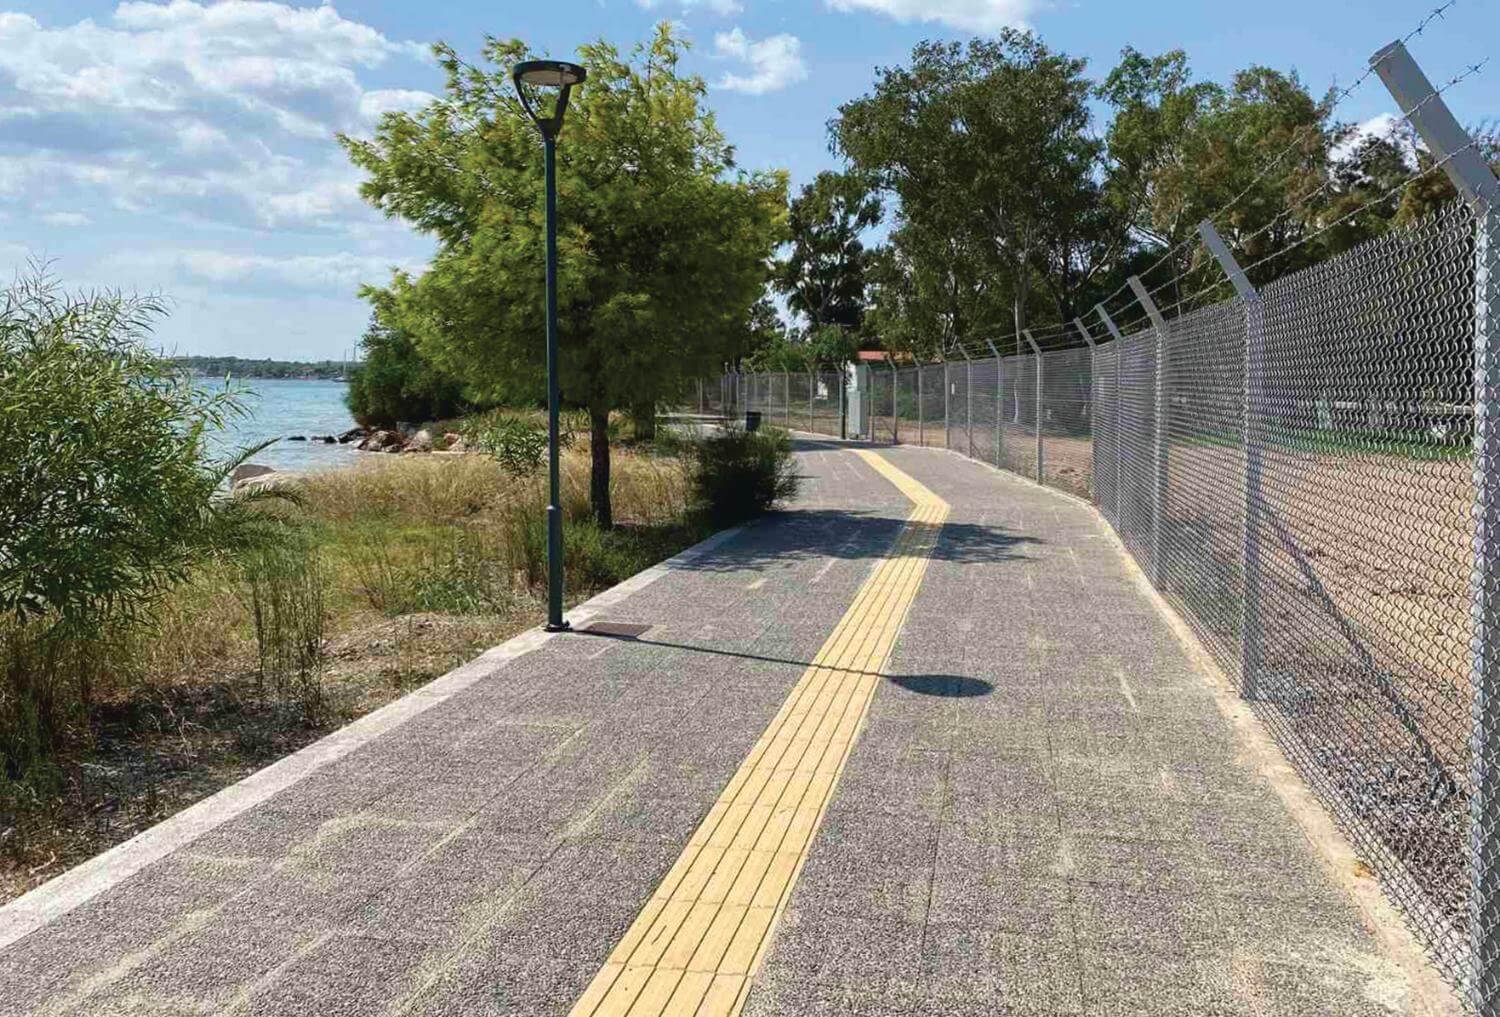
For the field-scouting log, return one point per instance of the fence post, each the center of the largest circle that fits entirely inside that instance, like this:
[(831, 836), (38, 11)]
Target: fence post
[(812, 391), (947, 393), (895, 403), (1114, 332), (921, 426), (1036, 352), (1466, 168), (1162, 407), (1093, 445), (1253, 395), (968, 399), (999, 387)]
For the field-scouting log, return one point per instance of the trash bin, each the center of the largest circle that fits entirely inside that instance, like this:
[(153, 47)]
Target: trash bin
[(752, 420)]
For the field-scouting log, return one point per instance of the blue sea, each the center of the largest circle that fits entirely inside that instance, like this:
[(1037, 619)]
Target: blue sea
[(282, 408)]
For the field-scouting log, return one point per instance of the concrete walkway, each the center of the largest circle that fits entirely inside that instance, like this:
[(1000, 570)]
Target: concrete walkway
[(921, 745)]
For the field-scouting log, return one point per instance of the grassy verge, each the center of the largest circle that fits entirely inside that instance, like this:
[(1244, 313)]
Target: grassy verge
[(384, 577)]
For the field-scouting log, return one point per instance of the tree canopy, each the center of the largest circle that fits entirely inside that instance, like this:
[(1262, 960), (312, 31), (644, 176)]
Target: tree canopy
[(664, 246)]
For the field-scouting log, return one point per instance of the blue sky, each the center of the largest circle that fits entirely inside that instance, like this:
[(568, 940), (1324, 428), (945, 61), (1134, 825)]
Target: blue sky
[(186, 148)]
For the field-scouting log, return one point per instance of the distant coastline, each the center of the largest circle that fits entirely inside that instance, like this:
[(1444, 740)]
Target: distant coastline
[(244, 367)]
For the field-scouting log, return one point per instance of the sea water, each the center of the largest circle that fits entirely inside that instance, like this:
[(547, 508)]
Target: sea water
[(281, 408)]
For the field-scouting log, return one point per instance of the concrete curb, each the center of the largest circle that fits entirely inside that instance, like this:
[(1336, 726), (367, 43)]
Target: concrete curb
[(58, 896)]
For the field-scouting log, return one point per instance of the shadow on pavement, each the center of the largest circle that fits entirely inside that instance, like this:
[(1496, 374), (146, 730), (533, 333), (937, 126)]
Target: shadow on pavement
[(798, 534), (944, 686)]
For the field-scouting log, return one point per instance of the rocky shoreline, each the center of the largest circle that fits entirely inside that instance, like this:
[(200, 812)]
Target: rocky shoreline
[(404, 439)]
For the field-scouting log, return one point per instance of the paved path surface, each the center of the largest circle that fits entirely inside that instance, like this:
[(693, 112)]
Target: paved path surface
[(919, 746)]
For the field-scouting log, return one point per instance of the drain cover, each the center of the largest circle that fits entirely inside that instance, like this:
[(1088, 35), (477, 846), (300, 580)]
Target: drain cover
[(620, 630)]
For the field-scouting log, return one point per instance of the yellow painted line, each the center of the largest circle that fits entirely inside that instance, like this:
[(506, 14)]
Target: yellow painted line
[(696, 945)]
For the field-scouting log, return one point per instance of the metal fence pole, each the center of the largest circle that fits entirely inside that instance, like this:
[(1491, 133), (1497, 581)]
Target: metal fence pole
[(1254, 394), (947, 414), (968, 399), (1093, 443), (895, 404), (1467, 169), (1163, 406), (921, 426), (812, 390), (1036, 351), (842, 386), (1119, 417)]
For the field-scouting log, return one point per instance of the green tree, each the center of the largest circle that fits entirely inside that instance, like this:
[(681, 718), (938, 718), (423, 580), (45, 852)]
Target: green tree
[(394, 382), (664, 245), (823, 274), (988, 149)]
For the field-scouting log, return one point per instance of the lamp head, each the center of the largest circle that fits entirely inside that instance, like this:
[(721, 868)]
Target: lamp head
[(531, 75)]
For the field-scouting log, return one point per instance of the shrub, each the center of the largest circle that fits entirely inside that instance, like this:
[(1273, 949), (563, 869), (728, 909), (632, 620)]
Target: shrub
[(738, 474), (283, 592), (105, 485), (517, 444)]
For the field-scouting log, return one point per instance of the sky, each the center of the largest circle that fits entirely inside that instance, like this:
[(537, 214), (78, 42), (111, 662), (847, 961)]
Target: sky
[(187, 148)]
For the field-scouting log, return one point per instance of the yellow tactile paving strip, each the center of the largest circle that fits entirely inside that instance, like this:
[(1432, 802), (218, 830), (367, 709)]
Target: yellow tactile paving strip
[(700, 938)]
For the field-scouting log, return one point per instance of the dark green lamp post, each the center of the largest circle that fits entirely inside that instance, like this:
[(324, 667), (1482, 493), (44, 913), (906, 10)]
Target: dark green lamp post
[(530, 77)]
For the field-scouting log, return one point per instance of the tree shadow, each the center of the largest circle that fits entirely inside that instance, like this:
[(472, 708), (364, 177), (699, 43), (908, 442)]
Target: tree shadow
[(794, 535), (943, 686)]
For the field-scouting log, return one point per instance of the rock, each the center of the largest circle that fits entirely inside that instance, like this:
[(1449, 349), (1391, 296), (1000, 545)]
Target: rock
[(420, 442), (456, 444), (405, 429), (382, 441), (267, 482), (353, 434), (245, 471), (326, 439), (296, 437)]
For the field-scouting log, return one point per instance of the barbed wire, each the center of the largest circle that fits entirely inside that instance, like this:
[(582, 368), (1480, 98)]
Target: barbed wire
[(1432, 15)]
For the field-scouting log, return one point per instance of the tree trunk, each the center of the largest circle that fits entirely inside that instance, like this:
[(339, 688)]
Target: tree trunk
[(599, 472), (643, 420)]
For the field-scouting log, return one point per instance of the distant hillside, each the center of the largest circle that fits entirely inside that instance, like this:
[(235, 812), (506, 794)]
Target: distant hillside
[(242, 367)]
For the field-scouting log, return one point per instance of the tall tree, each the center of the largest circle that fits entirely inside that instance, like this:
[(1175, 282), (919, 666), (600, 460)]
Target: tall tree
[(823, 274), (987, 142), (664, 246)]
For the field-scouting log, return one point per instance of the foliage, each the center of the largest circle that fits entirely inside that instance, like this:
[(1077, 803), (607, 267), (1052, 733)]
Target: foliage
[(664, 247), (987, 146), (739, 474), (394, 382), (106, 489), (519, 445), (283, 591), (823, 273)]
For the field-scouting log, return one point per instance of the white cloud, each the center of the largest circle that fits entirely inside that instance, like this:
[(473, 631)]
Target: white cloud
[(341, 272), (66, 219), (774, 62), (969, 15), (1383, 125), (720, 7), (215, 112)]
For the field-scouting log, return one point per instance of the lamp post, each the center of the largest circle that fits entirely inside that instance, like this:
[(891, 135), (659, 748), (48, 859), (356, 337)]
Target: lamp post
[(549, 74)]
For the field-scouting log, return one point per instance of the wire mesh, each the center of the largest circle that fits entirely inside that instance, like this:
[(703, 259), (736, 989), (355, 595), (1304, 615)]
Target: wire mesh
[(799, 400), (932, 402), (908, 405), (958, 406), (1105, 431), (1067, 416), (827, 403), (984, 410)]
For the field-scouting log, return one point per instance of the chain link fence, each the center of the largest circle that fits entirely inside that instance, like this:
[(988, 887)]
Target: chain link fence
[(1297, 474)]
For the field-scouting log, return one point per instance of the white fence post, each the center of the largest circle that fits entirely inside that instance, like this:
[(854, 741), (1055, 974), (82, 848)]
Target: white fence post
[(1163, 406), (1253, 399), (1465, 166)]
